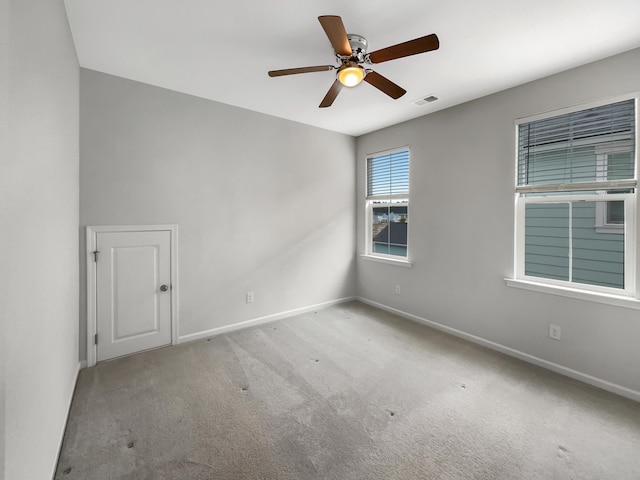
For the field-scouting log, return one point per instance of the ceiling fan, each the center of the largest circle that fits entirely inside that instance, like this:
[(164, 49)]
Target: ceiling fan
[(351, 54)]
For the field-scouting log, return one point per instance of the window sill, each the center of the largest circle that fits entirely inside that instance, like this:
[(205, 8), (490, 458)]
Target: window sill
[(390, 261), (608, 299), (609, 229)]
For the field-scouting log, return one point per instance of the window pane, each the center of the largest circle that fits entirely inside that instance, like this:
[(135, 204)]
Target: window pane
[(388, 174), (598, 258), (380, 229), (389, 229), (615, 212), (546, 247), (595, 258), (398, 220)]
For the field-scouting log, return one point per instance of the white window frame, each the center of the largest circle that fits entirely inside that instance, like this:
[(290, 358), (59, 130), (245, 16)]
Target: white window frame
[(382, 200), (630, 205)]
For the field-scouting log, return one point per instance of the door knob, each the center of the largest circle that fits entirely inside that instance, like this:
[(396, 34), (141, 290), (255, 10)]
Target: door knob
[(164, 288)]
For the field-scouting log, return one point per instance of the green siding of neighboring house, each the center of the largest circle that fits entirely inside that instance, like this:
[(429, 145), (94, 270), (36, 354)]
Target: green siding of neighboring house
[(547, 240), (598, 258)]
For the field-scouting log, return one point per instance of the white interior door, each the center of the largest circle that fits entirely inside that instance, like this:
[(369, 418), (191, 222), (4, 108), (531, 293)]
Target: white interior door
[(133, 292)]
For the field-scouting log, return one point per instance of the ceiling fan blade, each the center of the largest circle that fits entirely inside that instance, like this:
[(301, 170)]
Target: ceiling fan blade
[(405, 49), (331, 95), (293, 71), (334, 28), (384, 85)]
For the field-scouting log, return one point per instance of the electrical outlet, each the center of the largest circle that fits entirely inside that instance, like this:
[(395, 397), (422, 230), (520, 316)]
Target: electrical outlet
[(249, 297), (555, 332), (397, 289)]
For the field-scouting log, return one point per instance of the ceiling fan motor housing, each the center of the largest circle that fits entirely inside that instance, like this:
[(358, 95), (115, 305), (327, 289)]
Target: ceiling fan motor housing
[(358, 46)]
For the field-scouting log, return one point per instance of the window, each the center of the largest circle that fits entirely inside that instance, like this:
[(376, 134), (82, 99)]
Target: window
[(576, 196), (388, 204)]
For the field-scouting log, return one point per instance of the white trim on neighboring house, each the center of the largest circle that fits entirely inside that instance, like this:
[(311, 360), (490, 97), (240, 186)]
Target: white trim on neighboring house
[(91, 245), (602, 208)]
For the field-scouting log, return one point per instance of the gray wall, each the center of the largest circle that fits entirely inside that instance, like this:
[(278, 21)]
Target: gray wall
[(462, 229), (39, 236), (261, 203)]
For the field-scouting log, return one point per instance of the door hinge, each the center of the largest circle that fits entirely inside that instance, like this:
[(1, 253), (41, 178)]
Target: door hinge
[(95, 339), (95, 255)]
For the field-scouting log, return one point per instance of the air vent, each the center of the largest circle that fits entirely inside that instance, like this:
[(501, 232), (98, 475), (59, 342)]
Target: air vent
[(425, 100)]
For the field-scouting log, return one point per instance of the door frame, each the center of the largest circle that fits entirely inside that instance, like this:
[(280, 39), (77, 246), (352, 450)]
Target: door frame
[(91, 245)]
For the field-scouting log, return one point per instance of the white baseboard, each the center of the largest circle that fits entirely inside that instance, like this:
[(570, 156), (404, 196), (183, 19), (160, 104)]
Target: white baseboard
[(260, 320), (554, 367), (66, 419)]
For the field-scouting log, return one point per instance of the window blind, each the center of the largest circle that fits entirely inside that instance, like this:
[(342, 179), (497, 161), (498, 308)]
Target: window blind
[(571, 151), (388, 175)]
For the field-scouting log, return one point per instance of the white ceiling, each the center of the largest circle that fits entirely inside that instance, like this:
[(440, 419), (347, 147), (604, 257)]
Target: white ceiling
[(222, 49)]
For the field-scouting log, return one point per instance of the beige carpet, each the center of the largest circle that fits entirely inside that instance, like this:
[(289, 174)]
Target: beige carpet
[(349, 392)]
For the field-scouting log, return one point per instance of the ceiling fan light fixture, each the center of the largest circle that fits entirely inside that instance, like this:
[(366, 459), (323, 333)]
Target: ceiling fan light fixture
[(350, 74)]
